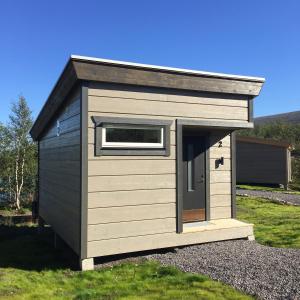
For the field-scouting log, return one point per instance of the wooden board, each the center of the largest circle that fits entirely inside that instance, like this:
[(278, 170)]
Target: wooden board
[(120, 74), (220, 188), (220, 200), (132, 228), (146, 94), (59, 174), (174, 109), (220, 176), (135, 197), (131, 182), (131, 213), (193, 215), (222, 212), (128, 167), (164, 240), (217, 152)]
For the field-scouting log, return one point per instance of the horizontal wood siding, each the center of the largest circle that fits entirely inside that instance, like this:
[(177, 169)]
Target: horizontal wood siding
[(131, 213), (260, 163), (220, 200), (126, 167), (59, 173), (148, 94), (131, 182), (164, 240), (133, 196), (173, 109), (132, 228), (220, 176)]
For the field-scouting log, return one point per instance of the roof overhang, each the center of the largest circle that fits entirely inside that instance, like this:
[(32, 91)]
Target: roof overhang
[(215, 124), (81, 68)]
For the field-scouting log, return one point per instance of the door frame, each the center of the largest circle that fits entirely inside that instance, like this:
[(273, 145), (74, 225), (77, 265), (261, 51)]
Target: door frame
[(209, 125), (179, 174)]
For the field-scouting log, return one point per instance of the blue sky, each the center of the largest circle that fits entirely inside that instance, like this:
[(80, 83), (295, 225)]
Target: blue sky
[(258, 38)]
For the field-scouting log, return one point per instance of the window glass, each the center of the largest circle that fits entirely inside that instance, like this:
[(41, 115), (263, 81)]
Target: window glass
[(190, 167), (132, 136)]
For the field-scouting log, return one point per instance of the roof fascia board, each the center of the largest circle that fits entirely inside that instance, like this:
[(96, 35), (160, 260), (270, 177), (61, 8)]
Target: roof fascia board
[(163, 68), (113, 73)]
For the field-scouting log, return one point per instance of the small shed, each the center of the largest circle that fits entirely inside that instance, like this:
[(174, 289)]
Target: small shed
[(263, 161), (135, 157)]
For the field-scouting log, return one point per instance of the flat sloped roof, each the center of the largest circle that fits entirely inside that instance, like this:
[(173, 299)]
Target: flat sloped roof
[(81, 68)]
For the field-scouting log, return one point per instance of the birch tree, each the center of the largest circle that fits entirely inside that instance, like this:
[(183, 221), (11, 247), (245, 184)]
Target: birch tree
[(18, 152)]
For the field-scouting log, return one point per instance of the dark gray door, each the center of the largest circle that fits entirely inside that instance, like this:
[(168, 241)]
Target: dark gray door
[(193, 178)]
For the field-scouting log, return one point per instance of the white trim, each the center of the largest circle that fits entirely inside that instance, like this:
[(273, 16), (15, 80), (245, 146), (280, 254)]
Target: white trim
[(179, 70), (106, 144)]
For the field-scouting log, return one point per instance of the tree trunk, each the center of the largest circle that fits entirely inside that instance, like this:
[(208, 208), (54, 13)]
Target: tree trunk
[(22, 180), (9, 190), (17, 199)]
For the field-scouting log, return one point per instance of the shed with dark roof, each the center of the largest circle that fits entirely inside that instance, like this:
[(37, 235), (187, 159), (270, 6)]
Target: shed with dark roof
[(263, 161), (135, 157)]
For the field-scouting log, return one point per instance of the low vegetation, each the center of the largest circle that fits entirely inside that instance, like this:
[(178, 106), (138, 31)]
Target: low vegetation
[(275, 225), (31, 269), (266, 188)]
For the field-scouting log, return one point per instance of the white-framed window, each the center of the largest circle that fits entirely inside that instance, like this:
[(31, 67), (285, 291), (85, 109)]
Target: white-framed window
[(129, 136)]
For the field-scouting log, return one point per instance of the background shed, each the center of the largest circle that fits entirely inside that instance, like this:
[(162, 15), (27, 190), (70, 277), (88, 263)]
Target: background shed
[(263, 161)]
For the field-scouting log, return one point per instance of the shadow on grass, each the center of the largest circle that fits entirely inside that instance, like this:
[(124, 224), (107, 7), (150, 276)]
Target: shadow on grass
[(21, 247)]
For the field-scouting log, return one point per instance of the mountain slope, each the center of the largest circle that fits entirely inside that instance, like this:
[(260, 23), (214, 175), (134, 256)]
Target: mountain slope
[(290, 117)]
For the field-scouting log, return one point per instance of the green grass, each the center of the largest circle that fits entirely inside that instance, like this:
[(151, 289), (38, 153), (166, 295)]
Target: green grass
[(31, 269), (266, 188), (7, 211), (275, 224)]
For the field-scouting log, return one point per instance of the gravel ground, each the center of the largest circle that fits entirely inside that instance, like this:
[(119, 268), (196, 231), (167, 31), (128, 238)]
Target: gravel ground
[(261, 271), (286, 198), (264, 272)]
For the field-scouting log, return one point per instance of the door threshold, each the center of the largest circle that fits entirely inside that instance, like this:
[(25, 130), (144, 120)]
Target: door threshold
[(196, 226)]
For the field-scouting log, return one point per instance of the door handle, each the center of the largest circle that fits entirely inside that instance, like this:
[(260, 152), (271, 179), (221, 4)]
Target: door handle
[(201, 180)]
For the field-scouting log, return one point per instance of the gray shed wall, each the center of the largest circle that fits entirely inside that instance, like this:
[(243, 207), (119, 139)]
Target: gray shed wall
[(59, 173), (260, 163)]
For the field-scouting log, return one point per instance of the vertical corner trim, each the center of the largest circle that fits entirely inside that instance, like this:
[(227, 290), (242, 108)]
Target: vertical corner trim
[(179, 187), (83, 169), (167, 138), (38, 179), (207, 178), (233, 173), (250, 110)]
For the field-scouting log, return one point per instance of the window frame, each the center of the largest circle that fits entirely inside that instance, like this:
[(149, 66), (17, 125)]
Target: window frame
[(132, 145), (107, 148)]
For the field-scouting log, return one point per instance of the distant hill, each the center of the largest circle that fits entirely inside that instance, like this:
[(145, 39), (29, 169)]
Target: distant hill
[(290, 117)]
